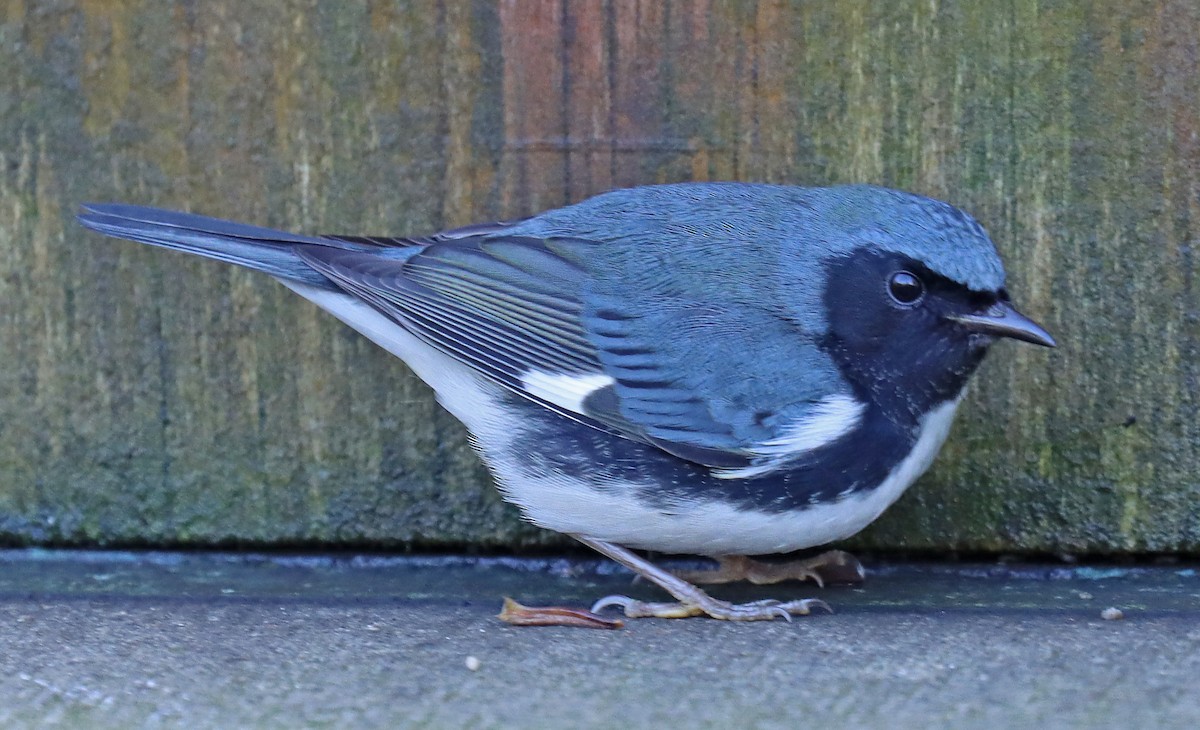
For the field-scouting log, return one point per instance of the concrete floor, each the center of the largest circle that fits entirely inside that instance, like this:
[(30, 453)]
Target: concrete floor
[(151, 640)]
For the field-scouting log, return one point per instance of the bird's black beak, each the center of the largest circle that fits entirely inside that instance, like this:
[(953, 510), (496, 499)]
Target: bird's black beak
[(1003, 320)]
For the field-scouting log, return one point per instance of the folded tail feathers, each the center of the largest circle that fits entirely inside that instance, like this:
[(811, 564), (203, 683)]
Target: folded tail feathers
[(261, 249)]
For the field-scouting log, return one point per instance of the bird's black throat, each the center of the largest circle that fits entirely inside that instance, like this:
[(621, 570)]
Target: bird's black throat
[(905, 361)]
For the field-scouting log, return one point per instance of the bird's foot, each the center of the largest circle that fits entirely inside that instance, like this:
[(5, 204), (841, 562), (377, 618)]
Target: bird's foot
[(766, 610), (691, 600), (834, 566)]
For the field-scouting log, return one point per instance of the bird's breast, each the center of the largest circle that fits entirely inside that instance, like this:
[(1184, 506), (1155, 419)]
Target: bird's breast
[(571, 478)]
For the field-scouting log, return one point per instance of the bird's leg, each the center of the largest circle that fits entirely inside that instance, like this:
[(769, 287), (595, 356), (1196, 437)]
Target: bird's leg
[(692, 600), (833, 566)]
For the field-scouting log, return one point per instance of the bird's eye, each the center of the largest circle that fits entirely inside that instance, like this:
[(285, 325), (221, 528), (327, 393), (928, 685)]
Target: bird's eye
[(906, 288)]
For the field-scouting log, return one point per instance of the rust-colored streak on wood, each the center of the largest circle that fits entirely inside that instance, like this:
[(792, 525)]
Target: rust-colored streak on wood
[(773, 127), (638, 97), (533, 165), (689, 38), (588, 90), (589, 142)]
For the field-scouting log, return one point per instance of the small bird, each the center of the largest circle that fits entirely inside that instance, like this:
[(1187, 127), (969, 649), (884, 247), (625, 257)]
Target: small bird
[(719, 369)]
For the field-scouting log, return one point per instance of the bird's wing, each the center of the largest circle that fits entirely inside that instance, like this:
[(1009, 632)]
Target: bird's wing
[(688, 378), (508, 307), (466, 233)]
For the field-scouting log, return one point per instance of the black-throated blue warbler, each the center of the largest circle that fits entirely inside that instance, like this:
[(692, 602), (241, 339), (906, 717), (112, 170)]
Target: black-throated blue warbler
[(720, 369)]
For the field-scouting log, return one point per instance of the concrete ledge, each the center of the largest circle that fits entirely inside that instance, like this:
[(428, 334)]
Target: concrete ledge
[(213, 640)]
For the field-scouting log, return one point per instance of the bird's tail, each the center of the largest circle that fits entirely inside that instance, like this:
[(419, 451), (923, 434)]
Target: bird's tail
[(262, 249)]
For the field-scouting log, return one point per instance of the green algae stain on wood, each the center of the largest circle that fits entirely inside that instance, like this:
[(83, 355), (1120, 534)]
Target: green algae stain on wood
[(156, 399), (1107, 422)]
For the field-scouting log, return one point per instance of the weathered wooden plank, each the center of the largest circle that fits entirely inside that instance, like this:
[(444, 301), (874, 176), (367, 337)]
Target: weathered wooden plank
[(153, 398)]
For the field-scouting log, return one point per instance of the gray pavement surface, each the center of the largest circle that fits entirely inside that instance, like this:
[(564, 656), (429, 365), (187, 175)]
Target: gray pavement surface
[(147, 640)]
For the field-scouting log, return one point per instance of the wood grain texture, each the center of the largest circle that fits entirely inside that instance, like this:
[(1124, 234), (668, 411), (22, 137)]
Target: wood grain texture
[(150, 398)]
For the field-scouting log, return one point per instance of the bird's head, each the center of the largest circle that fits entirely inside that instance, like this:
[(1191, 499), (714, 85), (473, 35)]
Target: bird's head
[(913, 294)]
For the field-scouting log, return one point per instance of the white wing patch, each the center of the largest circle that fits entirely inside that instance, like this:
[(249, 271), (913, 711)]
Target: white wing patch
[(829, 420), (565, 390)]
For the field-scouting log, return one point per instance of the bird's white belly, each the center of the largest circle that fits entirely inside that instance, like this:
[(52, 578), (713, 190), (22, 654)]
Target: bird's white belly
[(570, 505), (566, 504)]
